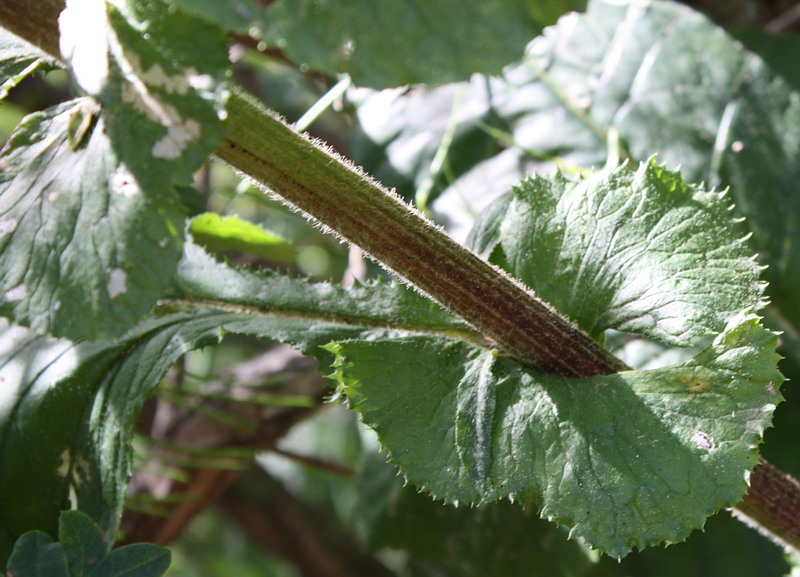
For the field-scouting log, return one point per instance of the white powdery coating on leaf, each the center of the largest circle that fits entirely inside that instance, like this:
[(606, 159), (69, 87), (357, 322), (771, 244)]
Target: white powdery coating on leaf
[(703, 441), (117, 282), (136, 94), (200, 82), (172, 145), (155, 76), (16, 294), (124, 183), (8, 226)]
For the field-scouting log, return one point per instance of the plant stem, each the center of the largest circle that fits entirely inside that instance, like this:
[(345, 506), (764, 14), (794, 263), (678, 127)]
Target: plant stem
[(330, 189), (772, 505), (341, 197)]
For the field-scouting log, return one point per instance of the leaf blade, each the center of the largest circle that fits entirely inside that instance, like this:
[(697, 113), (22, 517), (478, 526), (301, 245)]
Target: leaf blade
[(434, 42), (637, 252), (618, 459), (85, 254)]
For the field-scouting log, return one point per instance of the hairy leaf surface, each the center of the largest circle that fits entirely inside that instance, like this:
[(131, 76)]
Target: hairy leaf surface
[(85, 253), (625, 461), (638, 252)]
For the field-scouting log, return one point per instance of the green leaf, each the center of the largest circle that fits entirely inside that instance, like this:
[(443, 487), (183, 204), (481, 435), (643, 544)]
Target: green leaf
[(218, 233), (67, 410), (668, 446), (625, 461), (36, 555), (391, 43), (495, 539), (84, 253), (242, 16), (82, 552), (137, 560), (160, 75), (18, 59), (376, 304), (82, 542), (637, 252)]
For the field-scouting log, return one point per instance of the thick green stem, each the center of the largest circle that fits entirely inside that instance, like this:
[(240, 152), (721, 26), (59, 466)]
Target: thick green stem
[(338, 195)]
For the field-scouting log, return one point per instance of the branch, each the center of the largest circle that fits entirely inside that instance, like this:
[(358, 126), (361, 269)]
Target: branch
[(772, 505), (34, 20)]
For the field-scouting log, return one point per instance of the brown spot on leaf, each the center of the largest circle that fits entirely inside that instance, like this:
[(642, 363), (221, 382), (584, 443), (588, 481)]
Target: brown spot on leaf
[(698, 387)]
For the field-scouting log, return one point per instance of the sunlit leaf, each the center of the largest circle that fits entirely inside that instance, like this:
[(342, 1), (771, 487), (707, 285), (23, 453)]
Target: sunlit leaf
[(85, 251), (395, 42)]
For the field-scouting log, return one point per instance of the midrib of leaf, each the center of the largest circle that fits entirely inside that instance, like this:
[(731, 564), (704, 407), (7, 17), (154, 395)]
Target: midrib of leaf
[(452, 331)]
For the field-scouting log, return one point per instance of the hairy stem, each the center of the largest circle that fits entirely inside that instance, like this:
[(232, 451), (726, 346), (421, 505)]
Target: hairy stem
[(772, 506), (338, 195)]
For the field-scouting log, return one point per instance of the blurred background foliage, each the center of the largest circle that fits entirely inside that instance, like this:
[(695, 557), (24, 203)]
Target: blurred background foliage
[(321, 501)]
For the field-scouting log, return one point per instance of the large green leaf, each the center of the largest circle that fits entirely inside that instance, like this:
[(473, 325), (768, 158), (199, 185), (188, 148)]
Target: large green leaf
[(85, 253), (625, 461), (385, 43), (637, 252), (160, 75)]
